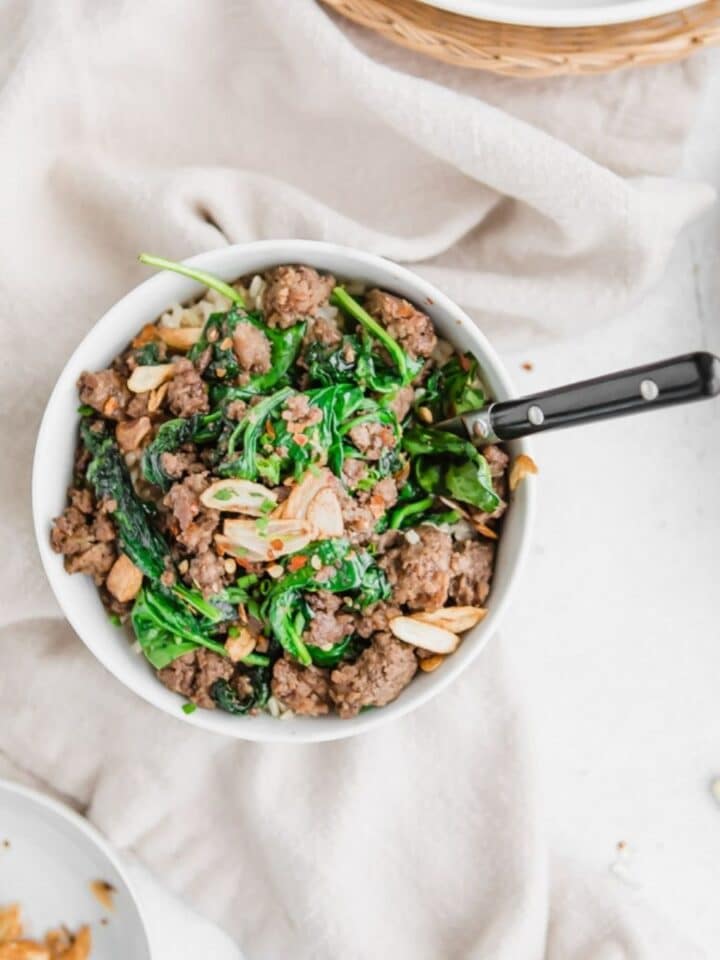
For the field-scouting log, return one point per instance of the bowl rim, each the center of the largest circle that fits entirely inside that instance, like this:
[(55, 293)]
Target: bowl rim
[(63, 812), (294, 730)]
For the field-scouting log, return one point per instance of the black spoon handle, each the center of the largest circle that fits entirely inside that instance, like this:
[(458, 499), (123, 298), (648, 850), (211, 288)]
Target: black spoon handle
[(677, 380)]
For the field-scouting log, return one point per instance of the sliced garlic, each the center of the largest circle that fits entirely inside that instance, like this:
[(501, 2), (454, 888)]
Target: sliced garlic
[(522, 466), (150, 377), (238, 496), (325, 515), (427, 636), (240, 646), (454, 619), (124, 580), (303, 493), (180, 338), (277, 538)]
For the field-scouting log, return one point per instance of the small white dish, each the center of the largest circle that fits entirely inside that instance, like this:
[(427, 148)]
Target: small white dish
[(54, 454), (49, 856), (559, 13)]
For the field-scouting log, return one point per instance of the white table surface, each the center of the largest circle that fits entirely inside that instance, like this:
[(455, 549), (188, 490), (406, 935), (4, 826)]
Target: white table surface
[(618, 631)]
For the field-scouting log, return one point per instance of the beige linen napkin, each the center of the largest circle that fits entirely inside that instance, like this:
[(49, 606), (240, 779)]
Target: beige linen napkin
[(175, 127)]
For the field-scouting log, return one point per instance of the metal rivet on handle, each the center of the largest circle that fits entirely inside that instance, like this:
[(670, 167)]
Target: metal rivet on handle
[(480, 429), (535, 415), (649, 390)]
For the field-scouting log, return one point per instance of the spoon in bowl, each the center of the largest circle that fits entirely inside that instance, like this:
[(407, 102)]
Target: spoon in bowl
[(683, 379)]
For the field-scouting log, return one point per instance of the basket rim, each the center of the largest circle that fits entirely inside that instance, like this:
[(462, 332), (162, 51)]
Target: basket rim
[(536, 52)]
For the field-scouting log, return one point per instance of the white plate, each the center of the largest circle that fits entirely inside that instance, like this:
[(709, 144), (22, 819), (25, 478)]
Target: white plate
[(52, 858), (559, 13)]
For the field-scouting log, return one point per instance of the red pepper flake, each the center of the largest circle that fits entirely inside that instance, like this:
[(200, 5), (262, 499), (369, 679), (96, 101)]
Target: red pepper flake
[(527, 365), (296, 563), (269, 429), (300, 439), (429, 301), (277, 544), (464, 362)]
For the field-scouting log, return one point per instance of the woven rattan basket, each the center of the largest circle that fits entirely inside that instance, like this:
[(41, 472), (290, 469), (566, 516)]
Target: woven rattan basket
[(536, 51)]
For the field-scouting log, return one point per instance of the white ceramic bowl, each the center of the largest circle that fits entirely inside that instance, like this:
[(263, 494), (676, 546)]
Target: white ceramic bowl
[(52, 471)]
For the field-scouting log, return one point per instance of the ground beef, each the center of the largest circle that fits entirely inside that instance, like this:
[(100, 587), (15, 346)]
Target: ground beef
[(105, 392), (372, 438), (252, 348), (382, 496), (207, 571), (471, 568), (82, 499), (358, 518), (184, 499), (376, 618), (327, 626), (138, 405), (408, 325), (97, 561), (85, 537), (402, 402), (203, 360), (175, 465), (193, 674), (376, 678), (386, 541), (131, 433), (420, 572), (305, 690), (198, 537), (323, 330), (236, 410), (299, 414), (187, 392), (353, 472), (293, 294), (197, 523), (497, 460)]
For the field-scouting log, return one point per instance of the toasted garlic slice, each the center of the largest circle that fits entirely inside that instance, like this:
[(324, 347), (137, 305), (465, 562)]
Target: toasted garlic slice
[(238, 496), (240, 646), (11, 927), (124, 580), (522, 466), (180, 338), (325, 515), (277, 538), (454, 619), (224, 545), (303, 493), (429, 664), (424, 635), (24, 950), (150, 377)]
